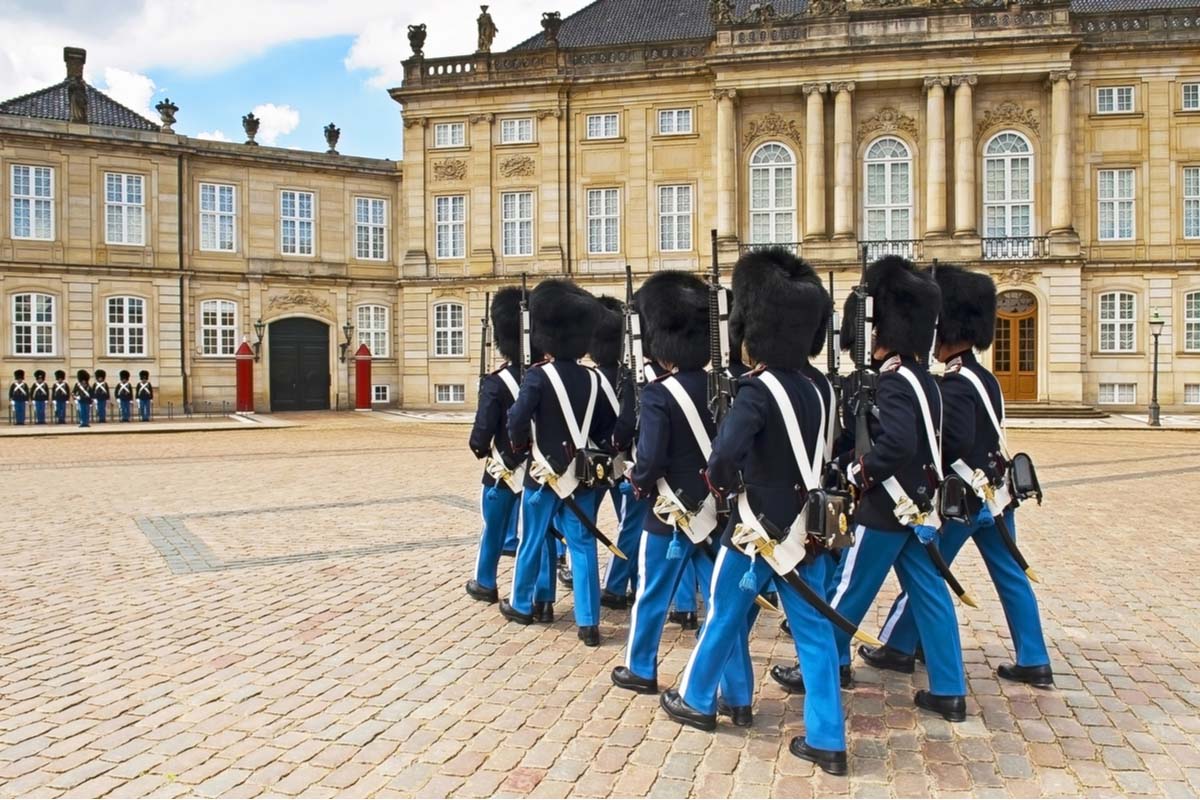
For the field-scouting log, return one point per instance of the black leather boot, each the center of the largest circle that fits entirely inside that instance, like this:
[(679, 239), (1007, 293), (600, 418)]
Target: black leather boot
[(564, 574), (791, 679), (512, 615), (626, 679), (480, 592), (543, 611), (615, 601), (741, 716), (681, 712), (952, 708), (684, 619), (884, 657), (1042, 676), (590, 635), (832, 761)]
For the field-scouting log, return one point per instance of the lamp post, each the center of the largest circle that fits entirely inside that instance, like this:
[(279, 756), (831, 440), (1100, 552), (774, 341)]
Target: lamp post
[(260, 328), (1156, 327), (348, 332)]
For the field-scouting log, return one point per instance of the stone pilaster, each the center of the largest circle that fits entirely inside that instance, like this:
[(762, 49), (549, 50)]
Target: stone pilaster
[(1060, 145), (965, 222), (935, 156), (814, 160), (726, 163), (843, 160)]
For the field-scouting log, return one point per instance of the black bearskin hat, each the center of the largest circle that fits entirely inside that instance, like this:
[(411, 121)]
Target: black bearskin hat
[(506, 321), (674, 311), (778, 311), (606, 340), (736, 332), (563, 318), (968, 307), (906, 306)]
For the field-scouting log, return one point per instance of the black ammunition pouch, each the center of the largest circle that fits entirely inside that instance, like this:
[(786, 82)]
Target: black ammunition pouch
[(827, 518), (594, 468), (953, 499), (1022, 478)]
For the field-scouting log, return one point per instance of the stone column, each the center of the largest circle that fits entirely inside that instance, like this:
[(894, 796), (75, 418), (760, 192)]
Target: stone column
[(814, 161), (935, 156), (964, 156), (1060, 143), (416, 254), (726, 163), (843, 161), (482, 248)]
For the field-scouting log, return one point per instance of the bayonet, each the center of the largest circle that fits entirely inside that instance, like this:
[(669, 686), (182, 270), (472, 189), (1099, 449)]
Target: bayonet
[(483, 338), (720, 390), (526, 348)]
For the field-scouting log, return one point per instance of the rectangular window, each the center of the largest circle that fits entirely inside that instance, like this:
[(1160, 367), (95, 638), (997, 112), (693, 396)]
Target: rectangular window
[(450, 134), (674, 218), (450, 393), (218, 327), (370, 228), (124, 209), (604, 221), (1191, 394), (450, 226), (33, 324), (381, 393), (296, 223), (1116, 204), (516, 215), (516, 131), (217, 217), (1191, 202), (449, 332), (1191, 97), (1114, 100), (32, 202), (126, 326), (1119, 394), (1118, 316), (1191, 322), (602, 126), (373, 329), (674, 121)]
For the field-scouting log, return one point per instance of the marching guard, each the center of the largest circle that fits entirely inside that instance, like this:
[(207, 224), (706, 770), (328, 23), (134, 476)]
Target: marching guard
[(18, 396), (82, 392), (60, 392), (101, 393), (124, 394), (39, 395), (974, 448)]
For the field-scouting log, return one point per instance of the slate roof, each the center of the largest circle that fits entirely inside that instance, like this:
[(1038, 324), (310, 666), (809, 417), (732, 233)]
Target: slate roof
[(618, 22), (52, 103)]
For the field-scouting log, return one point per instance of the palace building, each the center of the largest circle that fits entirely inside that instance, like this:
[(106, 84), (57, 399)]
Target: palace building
[(1054, 144)]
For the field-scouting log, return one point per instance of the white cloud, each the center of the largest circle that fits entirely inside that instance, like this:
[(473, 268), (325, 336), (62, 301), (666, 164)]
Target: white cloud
[(275, 121), (213, 136), (131, 89)]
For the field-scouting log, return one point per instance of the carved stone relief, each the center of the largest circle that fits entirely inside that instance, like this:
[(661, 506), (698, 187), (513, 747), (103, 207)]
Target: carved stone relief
[(887, 120), (1007, 113), (517, 167), (454, 169), (299, 298), (772, 125)]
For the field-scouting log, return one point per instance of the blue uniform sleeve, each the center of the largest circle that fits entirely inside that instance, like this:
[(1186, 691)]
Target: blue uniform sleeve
[(487, 417), (959, 402), (653, 438), (896, 444), (736, 435), (520, 414)]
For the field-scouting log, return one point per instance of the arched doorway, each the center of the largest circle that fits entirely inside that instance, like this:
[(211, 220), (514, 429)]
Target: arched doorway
[(299, 353), (1015, 351)]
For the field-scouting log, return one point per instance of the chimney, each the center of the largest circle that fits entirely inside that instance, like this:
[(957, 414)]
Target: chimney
[(75, 58)]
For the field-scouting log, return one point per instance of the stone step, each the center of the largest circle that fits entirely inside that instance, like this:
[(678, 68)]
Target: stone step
[(1052, 411)]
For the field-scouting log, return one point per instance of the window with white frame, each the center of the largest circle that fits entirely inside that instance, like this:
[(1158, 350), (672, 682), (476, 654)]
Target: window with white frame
[(450, 134), (1191, 202), (1118, 315), (373, 329), (218, 328), (1191, 394), (887, 201), (1191, 322), (516, 131), (602, 126), (604, 220), (1191, 97), (126, 326), (218, 217), (1114, 100), (32, 202), (124, 209), (296, 223), (33, 324), (370, 228), (772, 195), (1121, 394), (516, 223), (1008, 196), (674, 121), (1116, 204), (674, 218), (381, 393), (450, 393), (450, 226), (449, 330)]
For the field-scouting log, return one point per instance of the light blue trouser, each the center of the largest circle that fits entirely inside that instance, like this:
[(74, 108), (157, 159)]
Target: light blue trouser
[(1012, 585), (101, 411), (497, 505), (658, 577), (621, 575), (725, 640), (39, 412), (685, 592), (18, 407), (514, 522), (83, 409), (862, 571), (60, 411), (144, 409), (124, 405), (535, 553)]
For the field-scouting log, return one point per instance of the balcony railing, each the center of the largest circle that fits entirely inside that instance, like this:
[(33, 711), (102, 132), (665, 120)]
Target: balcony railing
[(1015, 248), (750, 247), (905, 248)]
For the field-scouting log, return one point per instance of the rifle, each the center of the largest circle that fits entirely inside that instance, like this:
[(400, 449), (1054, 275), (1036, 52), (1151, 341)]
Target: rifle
[(933, 344), (524, 348), (483, 338), (720, 391), (866, 379), (634, 361), (833, 364)]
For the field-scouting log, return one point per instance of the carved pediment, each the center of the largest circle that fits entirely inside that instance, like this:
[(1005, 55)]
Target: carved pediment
[(299, 298), (887, 120), (772, 125), (517, 167), (453, 169), (1007, 113)]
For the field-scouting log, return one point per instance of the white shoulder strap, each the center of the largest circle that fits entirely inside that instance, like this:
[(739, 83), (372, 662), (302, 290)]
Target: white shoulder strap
[(935, 443), (608, 391), (810, 468), (509, 381), (578, 435), (987, 404), (684, 401)]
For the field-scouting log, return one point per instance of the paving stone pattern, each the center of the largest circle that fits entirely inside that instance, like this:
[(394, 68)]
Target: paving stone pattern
[(281, 613)]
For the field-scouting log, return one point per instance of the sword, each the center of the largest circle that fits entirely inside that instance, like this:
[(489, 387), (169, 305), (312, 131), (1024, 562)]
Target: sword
[(1010, 544), (939, 562), (570, 503)]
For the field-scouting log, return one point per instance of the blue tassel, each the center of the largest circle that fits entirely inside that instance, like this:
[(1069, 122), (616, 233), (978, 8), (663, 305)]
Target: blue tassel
[(749, 583), (674, 550)]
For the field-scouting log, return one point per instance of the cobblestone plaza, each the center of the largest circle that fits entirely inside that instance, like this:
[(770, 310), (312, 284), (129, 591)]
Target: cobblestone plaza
[(281, 612)]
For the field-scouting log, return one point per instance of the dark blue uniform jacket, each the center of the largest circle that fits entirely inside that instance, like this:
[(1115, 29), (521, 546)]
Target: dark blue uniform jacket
[(491, 421), (967, 430)]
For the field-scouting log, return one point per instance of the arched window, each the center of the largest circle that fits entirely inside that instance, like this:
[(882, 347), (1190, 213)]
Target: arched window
[(373, 329), (449, 330), (772, 195), (1191, 322), (125, 319), (1118, 322), (218, 328), (33, 320), (887, 201), (1008, 197)]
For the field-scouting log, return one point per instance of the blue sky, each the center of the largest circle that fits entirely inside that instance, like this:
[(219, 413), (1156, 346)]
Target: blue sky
[(299, 64)]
